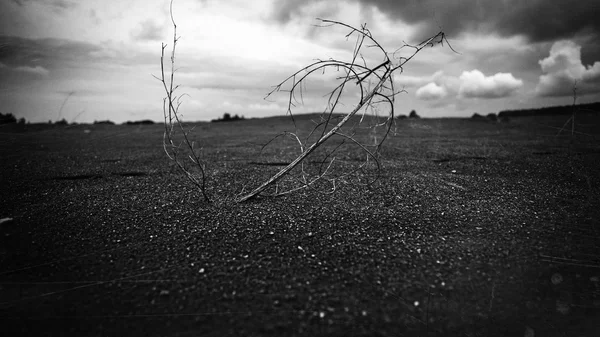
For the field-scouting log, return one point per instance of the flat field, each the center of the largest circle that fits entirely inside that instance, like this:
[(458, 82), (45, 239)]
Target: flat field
[(473, 228)]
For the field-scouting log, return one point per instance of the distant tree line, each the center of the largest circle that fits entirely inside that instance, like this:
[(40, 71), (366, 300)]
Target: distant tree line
[(9, 118), (491, 117), (228, 118), (104, 122), (552, 111), (142, 122)]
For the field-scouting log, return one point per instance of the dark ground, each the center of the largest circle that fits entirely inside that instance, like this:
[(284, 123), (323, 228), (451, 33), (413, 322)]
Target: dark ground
[(474, 229)]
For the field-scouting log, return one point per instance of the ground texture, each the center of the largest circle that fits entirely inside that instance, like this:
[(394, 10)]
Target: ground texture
[(473, 229)]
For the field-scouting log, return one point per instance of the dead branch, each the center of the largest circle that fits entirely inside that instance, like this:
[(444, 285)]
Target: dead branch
[(174, 127), (372, 82)]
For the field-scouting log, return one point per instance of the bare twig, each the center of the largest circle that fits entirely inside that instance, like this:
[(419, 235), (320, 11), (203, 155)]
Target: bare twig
[(572, 118), (63, 104), (174, 124)]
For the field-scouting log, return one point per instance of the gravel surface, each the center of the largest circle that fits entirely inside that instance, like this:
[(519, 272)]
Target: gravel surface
[(473, 229)]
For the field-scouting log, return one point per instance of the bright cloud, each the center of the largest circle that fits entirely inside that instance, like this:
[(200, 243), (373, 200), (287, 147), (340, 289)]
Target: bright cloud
[(38, 70), (417, 81), (431, 91), (449, 83), (474, 84), (563, 68)]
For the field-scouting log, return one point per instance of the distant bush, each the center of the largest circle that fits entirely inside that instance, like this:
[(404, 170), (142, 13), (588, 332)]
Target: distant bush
[(402, 117), (492, 117), (7, 118), (142, 122), (106, 122), (413, 114), (477, 116), (227, 118), (62, 122)]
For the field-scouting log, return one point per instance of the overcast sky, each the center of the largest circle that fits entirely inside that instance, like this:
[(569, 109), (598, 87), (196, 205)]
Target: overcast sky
[(97, 57)]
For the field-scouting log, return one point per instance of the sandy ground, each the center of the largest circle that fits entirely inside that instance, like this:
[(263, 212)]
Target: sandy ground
[(473, 229)]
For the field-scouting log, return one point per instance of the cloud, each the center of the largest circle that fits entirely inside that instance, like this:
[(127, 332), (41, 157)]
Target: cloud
[(430, 88), (147, 30), (405, 81), (413, 81), (563, 68), (55, 5), (592, 74), (285, 10), (538, 20), (62, 4), (38, 70), (408, 81), (474, 84), (48, 53), (93, 15), (431, 91)]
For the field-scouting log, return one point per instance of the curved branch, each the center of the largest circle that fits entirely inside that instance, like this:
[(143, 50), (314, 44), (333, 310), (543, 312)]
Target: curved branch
[(383, 89)]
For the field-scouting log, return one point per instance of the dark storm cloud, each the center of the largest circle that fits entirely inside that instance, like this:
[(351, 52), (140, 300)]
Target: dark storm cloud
[(538, 20), (48, 53)]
